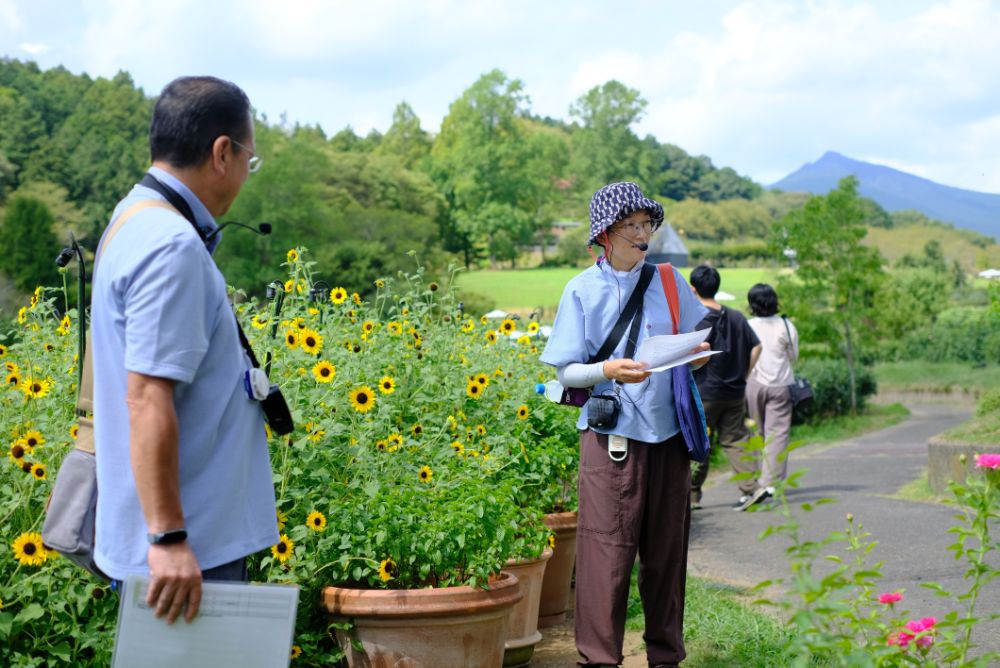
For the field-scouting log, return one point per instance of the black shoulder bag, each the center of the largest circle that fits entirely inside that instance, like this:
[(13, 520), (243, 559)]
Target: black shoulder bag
[(603, 409), (800, 391)]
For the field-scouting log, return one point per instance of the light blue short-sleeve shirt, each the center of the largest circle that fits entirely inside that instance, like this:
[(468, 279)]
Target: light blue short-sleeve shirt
[(160, 308), (588, 310)]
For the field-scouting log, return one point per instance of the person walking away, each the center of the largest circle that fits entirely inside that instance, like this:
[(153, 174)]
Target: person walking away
[(182, 464), (767, 388), (722, 384)]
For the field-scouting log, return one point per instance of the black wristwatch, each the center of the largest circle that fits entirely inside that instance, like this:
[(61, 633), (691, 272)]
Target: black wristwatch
[(167, 537)]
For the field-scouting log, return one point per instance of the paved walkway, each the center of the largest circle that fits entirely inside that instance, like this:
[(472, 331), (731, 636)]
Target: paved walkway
[(860, 474)]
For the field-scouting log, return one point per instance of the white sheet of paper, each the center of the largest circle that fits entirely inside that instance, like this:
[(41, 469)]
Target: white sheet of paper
[(669, 350), (238, 626)]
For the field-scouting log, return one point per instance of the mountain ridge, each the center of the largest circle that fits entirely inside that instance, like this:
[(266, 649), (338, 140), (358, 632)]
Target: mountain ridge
[(896, 190)]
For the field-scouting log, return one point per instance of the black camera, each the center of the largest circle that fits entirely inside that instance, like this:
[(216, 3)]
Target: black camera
[(276, 412)]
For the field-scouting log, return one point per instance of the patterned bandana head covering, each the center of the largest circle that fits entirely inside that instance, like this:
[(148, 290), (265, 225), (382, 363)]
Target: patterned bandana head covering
[(616, 201)]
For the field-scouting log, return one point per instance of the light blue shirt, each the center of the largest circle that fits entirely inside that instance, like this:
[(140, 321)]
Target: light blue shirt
[(588, 310), (160, 308)]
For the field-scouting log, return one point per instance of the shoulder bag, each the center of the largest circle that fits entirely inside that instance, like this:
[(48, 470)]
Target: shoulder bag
[(800, 391)]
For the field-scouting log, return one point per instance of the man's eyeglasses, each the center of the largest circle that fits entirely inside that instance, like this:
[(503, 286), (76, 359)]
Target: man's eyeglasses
[(255, 160), (633, 229)]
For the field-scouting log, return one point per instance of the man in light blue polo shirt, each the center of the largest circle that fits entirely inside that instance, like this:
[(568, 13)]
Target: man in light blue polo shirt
[(182, 462)]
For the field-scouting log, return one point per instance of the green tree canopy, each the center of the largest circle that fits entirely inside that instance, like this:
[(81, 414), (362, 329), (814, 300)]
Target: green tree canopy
[(29, 246)]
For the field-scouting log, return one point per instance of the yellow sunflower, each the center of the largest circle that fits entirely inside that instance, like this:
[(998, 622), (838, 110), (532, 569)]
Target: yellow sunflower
[(482, 379), (291, 338), (481, 429), (387, 385), (3, 350), (338, 295), (356, 298), (469, 325), (296, 650), (18, 451), (282, 518), (33, 438), (394, 328), (11, 367), (552, 541), (38, 471), (458, 447), (507, 326), (532, 327), (417, 430), (64, 325), (316, 521), (524, 340), (491, 336), (387, 570), (29, 550), (257, 322), (22, 315), (380, 284), (36, 388), (362, 399), (311, 341), (523, 412), (74, 431), (426, 474), (474, 390), (368, 326), (289, 285), (292, 255), (324, 372), (282, 550)]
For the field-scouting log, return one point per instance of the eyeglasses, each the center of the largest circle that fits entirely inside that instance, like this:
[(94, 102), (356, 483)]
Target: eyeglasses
[(633, 229), (255, 160)]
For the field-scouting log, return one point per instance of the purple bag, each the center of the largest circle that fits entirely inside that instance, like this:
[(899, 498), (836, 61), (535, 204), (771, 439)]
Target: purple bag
[(575, 396), (690, 413)]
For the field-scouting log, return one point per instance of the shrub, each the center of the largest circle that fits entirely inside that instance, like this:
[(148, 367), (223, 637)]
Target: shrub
[(961, 334), (832, 387), (988, 403)]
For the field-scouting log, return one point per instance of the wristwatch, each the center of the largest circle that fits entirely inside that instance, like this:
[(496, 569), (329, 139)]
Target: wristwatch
[(167, 537)]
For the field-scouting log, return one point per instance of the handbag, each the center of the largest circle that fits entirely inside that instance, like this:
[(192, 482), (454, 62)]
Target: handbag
[(578, 396), (687, 400), (800, 391)]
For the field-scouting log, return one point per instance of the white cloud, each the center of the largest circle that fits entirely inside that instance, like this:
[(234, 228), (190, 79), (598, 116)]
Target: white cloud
[(34, 48)]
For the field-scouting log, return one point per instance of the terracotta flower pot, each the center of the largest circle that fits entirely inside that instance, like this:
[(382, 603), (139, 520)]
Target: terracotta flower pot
[(522, 625), (424, 628), (559, 571)]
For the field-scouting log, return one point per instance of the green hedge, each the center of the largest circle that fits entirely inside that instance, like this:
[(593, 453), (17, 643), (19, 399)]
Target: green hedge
[(960, 334), (832, 387)]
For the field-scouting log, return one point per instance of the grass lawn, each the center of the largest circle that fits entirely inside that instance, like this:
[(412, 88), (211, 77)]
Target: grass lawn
[(524, 290), (919, 376)]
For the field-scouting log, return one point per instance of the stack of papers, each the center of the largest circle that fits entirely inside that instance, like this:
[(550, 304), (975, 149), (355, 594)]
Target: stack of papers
[(669, 350)]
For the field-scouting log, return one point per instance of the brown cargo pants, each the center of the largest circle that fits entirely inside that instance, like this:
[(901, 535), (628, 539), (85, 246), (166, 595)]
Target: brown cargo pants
[(639, 505)]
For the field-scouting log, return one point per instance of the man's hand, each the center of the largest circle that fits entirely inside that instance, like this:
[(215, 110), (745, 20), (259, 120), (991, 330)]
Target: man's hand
[(702, 347), (626, 371), (175, 581)]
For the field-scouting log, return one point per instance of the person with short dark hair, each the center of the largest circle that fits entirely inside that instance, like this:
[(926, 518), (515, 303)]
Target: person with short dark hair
[(767, 388), (722, 383), (185, 480)]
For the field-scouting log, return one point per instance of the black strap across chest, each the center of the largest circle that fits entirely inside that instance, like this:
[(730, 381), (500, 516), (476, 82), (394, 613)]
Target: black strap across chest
[(631, 314)]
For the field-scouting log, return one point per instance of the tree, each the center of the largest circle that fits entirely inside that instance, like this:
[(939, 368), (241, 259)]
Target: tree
[(605, 148), (29, 246), (837, 276), (405, 138)]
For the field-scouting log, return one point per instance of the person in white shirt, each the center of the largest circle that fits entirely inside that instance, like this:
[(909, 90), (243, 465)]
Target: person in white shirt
[(768, 401)]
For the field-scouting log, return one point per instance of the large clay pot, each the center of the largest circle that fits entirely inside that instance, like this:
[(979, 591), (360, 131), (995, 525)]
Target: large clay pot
[(559, 571), (522, 625), (424, 628)]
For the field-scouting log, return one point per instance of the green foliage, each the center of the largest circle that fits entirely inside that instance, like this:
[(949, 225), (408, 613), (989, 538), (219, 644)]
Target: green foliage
[(29, 244), (960, 334), (831, 384), (406, 139)]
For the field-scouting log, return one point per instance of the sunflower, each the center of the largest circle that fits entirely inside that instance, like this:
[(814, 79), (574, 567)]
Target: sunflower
[(338, 295), (282, 550), (324, 372), (417, 430), (481, 429), (292, 255), (29, 550), (291, 339), (380, 284), (469, 325), (18, 452), (11, 367), (458, 447), (524, 340), (316, 521), (13, 379), (22, 315), (3, 350), (257, 322), (387, 570), (311, 341), (406, 311), (387, 385), (523, 412), (33, 438), (426, 474), (368, 327), (491, 336), (507, 326), (482, 379), (356, 298), (64, 325), (474, 390), (36, 388), (38, 471), (395, 440), (289, 285), (532, 327), (282, 518), (296, 650), (552, 541), (362, 399), (381, 445)]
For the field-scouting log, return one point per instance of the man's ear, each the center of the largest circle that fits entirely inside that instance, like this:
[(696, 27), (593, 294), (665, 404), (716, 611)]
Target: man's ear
[(222, 154)]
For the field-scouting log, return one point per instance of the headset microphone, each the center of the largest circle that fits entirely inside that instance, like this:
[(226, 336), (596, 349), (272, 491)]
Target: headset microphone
[(642, 245), (263, 229)]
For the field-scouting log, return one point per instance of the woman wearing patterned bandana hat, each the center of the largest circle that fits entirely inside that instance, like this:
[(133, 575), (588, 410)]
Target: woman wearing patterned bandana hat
[(634, 499)]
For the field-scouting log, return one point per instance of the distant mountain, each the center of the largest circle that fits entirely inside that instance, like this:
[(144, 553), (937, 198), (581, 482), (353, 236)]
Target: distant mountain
[(896, 190)]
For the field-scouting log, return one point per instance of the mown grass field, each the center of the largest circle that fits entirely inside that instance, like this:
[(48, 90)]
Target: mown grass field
[(524, 290)]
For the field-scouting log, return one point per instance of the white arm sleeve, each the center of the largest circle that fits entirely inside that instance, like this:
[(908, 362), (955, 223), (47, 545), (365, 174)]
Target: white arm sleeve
[(581, 375)]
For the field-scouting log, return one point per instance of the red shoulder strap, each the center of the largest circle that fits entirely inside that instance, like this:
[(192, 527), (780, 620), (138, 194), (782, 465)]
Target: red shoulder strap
[(670, 290)]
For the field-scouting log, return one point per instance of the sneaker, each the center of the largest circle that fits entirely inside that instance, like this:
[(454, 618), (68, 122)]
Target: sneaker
[(739, 504), (695, 505), (760, 494)]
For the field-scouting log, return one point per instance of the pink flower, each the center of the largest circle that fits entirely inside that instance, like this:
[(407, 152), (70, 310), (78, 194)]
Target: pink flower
[(890, 597), (924, 625), (988, 461), (900, 638)]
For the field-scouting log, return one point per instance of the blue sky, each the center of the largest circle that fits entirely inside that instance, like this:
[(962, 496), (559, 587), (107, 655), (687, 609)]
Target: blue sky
[(762, 86)]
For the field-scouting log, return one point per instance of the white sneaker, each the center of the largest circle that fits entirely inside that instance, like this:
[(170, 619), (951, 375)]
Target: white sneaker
[(759, 494)]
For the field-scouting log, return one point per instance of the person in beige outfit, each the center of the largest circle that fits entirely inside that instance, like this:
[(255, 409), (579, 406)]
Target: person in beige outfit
[(768, 401)]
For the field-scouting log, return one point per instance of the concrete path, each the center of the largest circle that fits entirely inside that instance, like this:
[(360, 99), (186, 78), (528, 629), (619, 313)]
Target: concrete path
[(860, 474)]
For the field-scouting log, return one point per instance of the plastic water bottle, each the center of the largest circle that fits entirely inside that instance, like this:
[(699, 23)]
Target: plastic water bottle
[(553, 390)]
